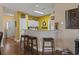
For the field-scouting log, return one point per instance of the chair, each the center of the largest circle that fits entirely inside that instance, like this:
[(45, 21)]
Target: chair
[(1, 35), (50, 40)]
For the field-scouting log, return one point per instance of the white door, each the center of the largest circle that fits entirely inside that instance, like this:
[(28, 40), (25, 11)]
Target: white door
[(10, 28)]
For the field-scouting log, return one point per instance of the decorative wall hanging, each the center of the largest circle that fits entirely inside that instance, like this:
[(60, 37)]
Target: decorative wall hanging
[(52, 17), (44, 23)]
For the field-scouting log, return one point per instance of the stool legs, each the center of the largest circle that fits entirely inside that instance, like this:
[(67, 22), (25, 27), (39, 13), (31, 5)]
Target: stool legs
[(24, 45), (34, 44), (20, 42), (43, 47), (37, 46), (52, 45)]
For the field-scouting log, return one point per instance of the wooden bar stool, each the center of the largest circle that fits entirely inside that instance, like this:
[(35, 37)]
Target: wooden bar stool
[(51, 40), (1, 35), (25, 37), (26, 45), (33, 44)]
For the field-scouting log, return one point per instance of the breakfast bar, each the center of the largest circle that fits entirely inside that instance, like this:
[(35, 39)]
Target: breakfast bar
[(42, 34)]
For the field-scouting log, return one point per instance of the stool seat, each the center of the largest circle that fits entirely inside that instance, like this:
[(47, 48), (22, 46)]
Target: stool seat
[(48, 39), (31, 37), (24, 35)]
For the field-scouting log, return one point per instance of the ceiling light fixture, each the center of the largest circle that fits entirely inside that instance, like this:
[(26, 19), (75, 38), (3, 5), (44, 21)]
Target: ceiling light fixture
[(39, 12), (36, 5)]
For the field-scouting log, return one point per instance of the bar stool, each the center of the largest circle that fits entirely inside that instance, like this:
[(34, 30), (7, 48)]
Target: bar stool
[(26, 45), (51, 40), (1, 35), (25, 37), (33, 44)]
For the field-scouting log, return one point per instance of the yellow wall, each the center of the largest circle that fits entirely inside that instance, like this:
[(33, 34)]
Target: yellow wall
[(17, 16), (41, 19), (26, 21), (28, 17), (32, 17)]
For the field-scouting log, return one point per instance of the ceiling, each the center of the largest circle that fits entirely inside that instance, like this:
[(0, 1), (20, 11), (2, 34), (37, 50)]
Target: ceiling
[(29, 8)]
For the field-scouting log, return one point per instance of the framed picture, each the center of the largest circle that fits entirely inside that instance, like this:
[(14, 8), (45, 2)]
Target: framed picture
[(72, 19), (52, 17)]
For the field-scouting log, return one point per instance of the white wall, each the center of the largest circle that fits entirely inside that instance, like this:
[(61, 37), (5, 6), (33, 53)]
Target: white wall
[(1, 22), (66, 37), (1, 18)]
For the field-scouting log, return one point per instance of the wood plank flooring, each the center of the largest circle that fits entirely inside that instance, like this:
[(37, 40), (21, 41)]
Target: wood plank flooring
[(12, 47)]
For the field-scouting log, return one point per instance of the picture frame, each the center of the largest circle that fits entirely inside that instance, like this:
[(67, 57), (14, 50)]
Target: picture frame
[(52, 17)]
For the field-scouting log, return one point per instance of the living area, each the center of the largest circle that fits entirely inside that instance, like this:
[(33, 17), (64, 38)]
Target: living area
[(39, 28)]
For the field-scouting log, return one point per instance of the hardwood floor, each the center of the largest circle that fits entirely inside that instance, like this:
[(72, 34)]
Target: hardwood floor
[(12, 47)]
